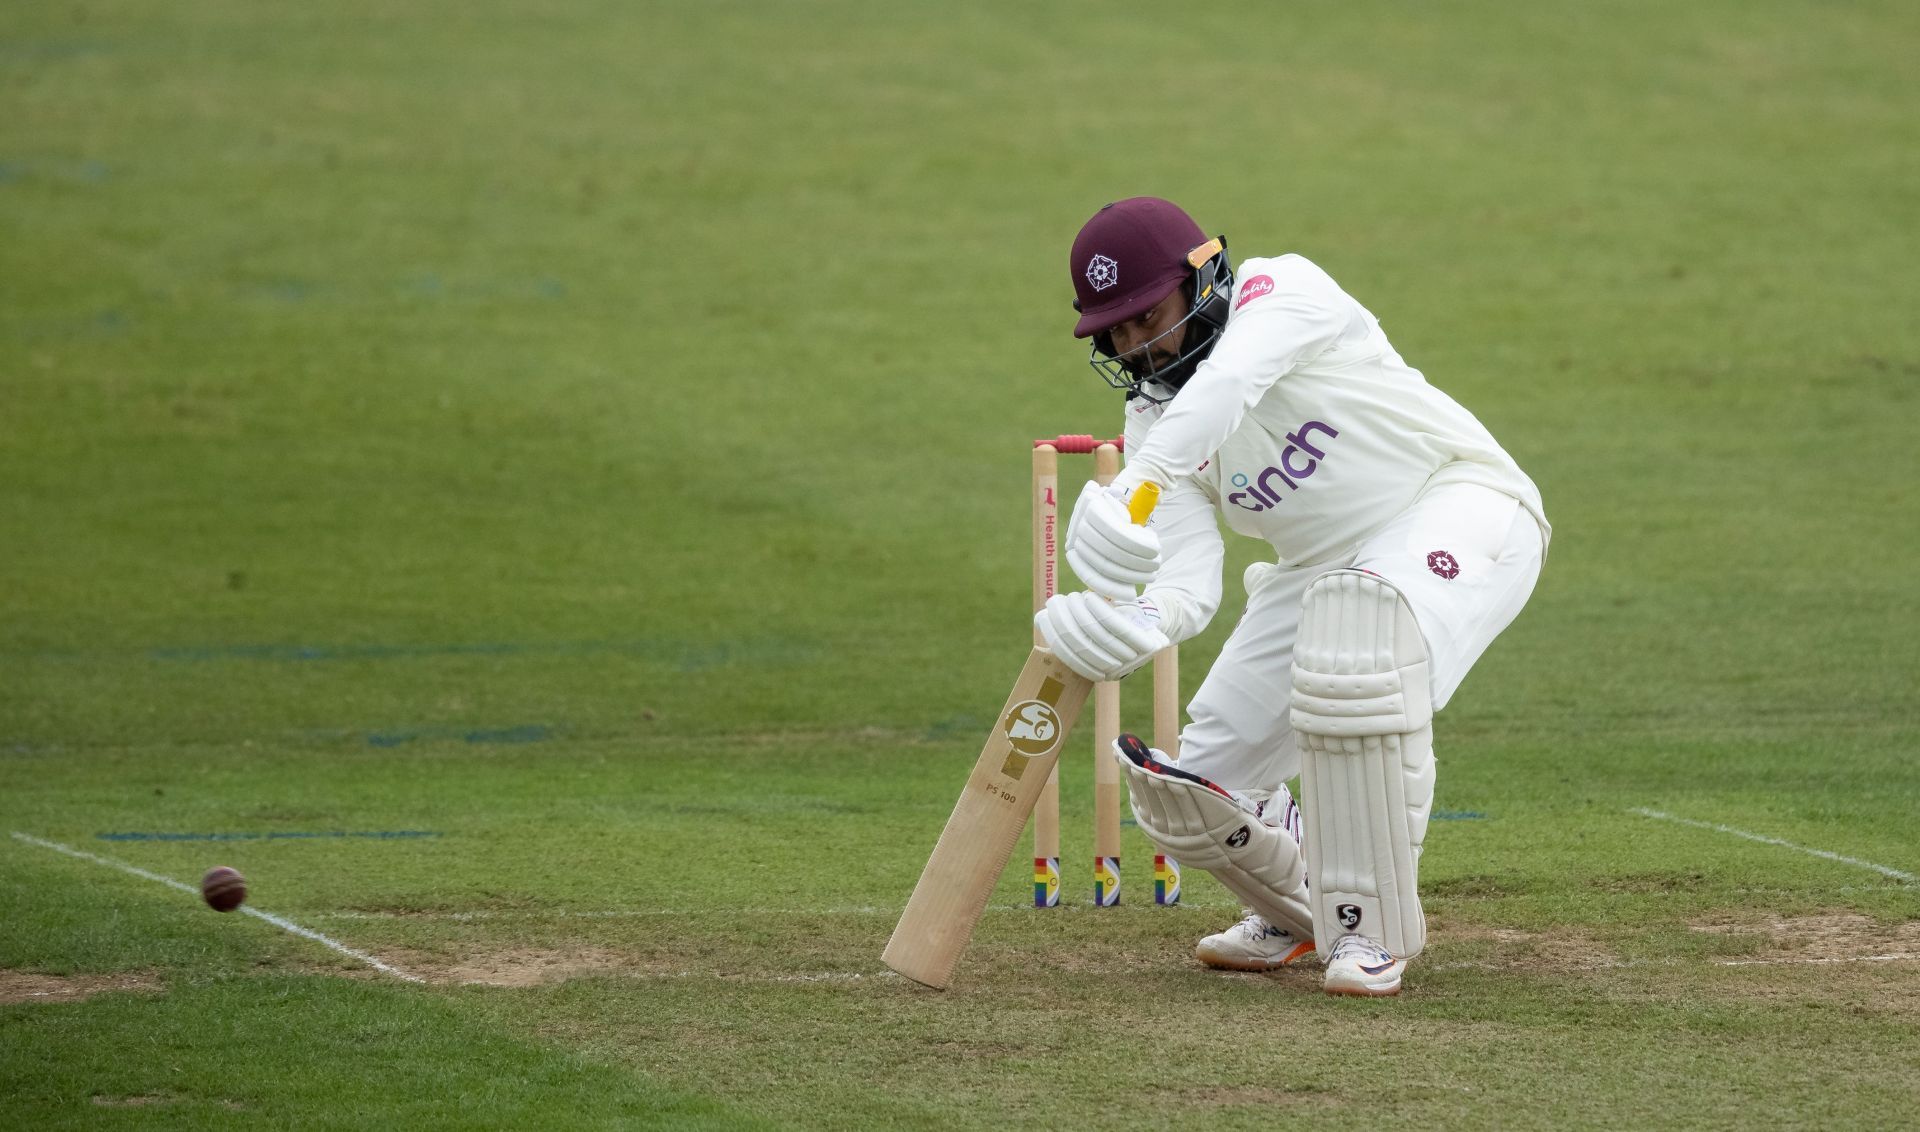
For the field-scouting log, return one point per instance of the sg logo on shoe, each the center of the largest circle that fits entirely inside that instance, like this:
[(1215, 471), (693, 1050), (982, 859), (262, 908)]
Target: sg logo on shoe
[(1262, 490)]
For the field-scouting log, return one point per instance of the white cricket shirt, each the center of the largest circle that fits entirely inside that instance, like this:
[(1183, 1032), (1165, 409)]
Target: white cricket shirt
[(1304, 427)]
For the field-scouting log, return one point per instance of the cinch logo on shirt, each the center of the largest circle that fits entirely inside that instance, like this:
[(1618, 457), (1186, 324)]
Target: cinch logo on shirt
[(1262, 489)]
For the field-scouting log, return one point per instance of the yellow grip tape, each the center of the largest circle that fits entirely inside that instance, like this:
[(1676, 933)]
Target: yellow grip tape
[(1145, 498)]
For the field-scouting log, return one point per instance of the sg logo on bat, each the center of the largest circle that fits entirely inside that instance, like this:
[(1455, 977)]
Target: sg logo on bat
[(1033, 728)]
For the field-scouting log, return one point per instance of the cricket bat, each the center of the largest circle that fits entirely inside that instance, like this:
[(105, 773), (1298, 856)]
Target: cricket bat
[(999, 797)]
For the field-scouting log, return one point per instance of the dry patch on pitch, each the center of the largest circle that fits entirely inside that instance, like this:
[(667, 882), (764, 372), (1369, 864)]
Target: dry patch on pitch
[(1248, 1096), (1836, 937), (1838, 959), (144, 1100), (548, 966), (518, 966), (150, 1100), (1508, 949), (524, 966), (20, 986)]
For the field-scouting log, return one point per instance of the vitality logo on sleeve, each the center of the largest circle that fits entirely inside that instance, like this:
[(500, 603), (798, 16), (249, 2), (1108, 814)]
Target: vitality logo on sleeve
[(1252, 289), (1300, 459)]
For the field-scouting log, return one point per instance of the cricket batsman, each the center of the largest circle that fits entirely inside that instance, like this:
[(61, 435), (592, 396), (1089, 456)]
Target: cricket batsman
[(1404, 540)]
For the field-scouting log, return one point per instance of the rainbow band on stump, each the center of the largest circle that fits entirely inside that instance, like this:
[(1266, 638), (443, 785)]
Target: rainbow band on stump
[(1166, 691), (1166, 736)]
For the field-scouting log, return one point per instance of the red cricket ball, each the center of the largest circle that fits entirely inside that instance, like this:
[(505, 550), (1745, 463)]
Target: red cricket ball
[(223, 889)]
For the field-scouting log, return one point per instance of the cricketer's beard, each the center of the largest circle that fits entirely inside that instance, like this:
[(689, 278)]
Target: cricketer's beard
[(1157, 359), (1168, 367)]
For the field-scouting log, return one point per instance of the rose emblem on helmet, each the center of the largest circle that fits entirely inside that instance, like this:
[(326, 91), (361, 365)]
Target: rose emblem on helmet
[(1102, 272)]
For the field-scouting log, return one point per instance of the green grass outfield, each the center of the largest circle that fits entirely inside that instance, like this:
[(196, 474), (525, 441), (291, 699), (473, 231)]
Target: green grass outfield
[(586, 443)]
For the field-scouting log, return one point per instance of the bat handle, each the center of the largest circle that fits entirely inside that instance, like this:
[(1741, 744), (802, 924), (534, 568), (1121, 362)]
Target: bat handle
[(1145, 498)]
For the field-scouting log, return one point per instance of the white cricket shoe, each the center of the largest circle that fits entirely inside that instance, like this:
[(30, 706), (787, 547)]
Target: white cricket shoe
[(1360, 965), (1253, 945)]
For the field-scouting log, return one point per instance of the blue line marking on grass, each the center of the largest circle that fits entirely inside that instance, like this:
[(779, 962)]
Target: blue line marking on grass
[(684, 655), (52, 169), (280, 290), (963, 724), (273, 835), (526, 733), (432, 286), (530, 733), (52, 50)]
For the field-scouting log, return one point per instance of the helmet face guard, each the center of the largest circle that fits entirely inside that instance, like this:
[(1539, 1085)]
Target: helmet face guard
[(1207, 289)]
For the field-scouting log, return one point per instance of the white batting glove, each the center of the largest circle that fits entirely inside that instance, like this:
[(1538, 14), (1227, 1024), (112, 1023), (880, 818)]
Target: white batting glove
[(1105, 548), (1100, 640)]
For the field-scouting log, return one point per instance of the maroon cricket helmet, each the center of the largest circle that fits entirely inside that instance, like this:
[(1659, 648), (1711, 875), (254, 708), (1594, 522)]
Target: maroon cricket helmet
[(1132, 254)]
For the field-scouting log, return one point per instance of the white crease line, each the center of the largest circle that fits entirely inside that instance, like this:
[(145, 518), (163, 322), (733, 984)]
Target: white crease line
[(1623, 964), (1586, 965), (1881, 869), (816, 977), (269, 917), (1828, 890), (606, 914), (716, 976), (639, 913), (1818, 959)]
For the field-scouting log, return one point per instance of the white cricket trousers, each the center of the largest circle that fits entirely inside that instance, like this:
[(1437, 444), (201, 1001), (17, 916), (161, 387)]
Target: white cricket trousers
[(1465, 557)]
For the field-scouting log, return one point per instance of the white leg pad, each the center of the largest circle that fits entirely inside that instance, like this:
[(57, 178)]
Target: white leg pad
[(1209, 827), (1363, 711)]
